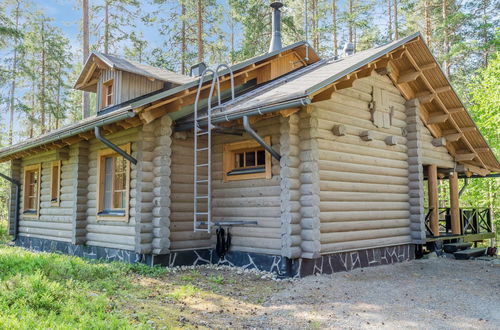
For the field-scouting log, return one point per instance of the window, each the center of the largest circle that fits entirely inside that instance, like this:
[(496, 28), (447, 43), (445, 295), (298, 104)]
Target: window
[(31, 196), (113, 190), (107, 94), (55, 183), (246, 160)]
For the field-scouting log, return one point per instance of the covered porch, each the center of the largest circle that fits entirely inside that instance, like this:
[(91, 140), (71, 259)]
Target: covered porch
[(447, 219)]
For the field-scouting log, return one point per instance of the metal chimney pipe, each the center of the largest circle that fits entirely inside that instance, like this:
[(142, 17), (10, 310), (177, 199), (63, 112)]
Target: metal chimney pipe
[(276, 34)]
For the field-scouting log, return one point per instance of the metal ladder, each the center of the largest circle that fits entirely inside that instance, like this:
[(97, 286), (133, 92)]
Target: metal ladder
[(203, 215)]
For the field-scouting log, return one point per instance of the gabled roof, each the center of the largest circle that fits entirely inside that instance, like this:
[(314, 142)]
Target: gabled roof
[(236, 67), (99, 61), (124, 117), (412, 68)]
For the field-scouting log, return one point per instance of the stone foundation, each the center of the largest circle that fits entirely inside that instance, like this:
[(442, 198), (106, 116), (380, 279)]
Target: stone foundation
[(282, 266)]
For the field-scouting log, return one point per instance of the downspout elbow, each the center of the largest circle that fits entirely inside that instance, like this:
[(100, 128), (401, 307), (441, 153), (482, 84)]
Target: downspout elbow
[(252, 133), (111, 145), (466, 183)]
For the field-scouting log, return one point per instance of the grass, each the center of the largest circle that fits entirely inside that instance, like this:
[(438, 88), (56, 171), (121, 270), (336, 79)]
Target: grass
[(52, 291), (40, 291)]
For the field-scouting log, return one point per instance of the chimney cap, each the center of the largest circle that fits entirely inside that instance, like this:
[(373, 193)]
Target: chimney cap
[(276, 5)]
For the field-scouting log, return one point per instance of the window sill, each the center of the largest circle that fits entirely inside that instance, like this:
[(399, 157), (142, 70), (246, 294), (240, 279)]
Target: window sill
[(245, 171), (30, 214), (249, 176), (112, 216)]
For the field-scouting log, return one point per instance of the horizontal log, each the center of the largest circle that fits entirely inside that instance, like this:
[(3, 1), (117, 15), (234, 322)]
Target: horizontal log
[(365, 244), (362, 187), (363, 206), (362, 178), (334, 227), (367, 215), (362, 197), (349, 236)]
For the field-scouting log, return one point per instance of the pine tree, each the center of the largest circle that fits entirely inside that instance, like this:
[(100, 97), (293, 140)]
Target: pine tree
[(86, 53), (112, 19), (13, 71), (46, 64)]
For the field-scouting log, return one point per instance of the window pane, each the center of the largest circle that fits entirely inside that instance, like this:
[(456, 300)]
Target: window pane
[(119, 200), (261, 157), (240, 160), (108, 182), (250, 158)]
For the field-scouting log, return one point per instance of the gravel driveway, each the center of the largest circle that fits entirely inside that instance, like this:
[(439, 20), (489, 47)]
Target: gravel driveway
[(422, 294)]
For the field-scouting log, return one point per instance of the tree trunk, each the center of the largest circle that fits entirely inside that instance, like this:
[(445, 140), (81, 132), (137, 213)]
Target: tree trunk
[(200, 31), (12, 95), (350, 25), (334, 28), (85, 51), (232, 26), (314, 12), (42, 87), (396, 27), (389, 14), (106, 27), (183, 38), (485, 33), (446, 45), (428, 25)]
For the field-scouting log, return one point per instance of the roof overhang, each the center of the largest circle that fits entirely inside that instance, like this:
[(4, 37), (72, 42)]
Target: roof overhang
[(414, 71)]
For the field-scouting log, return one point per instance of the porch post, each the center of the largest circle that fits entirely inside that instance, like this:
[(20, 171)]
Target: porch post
[(432, 181), (454, 204)]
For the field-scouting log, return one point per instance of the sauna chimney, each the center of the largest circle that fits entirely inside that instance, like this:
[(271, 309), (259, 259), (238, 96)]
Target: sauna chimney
[(276, 24)]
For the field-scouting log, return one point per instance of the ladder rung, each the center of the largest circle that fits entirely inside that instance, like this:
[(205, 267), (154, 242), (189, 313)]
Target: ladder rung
[(200, 165), (202, 196), (202, 149), (201, 181), (202, 133), (201, 213)]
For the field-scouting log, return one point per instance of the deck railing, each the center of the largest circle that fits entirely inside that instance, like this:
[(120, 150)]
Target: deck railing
[(472, 221)]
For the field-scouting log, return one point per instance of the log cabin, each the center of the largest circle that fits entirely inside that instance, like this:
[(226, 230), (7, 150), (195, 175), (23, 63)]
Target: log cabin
[(285, 162)]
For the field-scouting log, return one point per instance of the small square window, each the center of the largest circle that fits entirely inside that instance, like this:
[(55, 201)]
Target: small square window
[(246, 160), (107, 94)]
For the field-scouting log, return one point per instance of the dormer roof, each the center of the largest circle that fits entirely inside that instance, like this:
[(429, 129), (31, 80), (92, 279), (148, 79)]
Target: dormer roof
[(87, 81)]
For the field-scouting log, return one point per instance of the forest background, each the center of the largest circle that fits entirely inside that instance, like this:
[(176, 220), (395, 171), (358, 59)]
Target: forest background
[(43, 45)]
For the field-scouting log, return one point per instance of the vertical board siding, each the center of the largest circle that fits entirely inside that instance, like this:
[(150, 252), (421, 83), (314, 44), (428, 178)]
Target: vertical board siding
[(133, 86), (364, 197), (113, 234), (54, 222), (126, 86), (117, 79)]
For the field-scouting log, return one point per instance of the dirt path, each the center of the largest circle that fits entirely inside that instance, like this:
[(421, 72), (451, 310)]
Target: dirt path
[(423, 294)]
